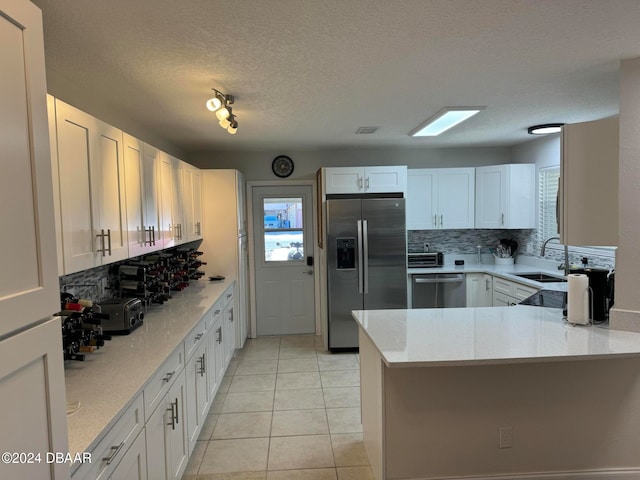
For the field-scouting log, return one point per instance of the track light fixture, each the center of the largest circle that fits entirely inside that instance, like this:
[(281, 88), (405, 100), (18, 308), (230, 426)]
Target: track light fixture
[(221, 105)]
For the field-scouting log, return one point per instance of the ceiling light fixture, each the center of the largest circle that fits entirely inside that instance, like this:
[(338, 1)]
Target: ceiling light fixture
[(545, 129), (221, 104), (445, 119)]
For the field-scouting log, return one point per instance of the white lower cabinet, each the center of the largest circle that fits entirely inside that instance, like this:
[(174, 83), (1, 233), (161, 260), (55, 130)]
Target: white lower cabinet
[(110, 453), (133, 465), (229, 337), (508, 293), (166, 435), (197, 392), (215, 364), (479, 290)]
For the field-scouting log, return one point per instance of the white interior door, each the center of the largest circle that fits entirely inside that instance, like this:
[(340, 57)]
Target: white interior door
[(283, 242)]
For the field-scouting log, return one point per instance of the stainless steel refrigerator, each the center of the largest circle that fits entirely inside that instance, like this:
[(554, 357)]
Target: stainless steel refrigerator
[(367, 262)]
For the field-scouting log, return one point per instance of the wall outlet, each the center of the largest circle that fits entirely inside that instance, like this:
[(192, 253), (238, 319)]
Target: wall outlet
[(505, 435)]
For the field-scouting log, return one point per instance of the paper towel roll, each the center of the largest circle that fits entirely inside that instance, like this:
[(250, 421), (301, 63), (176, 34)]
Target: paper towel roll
[(578, 299)]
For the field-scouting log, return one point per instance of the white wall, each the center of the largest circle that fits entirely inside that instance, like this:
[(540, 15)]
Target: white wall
[(543, 151), (626, 313), (256, 165)]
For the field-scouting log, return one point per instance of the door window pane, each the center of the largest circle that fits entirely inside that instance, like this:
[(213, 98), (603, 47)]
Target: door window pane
[(283, 230)]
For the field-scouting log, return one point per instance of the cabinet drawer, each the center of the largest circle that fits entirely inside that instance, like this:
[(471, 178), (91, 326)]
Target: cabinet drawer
[(521, 291), (115, 444), (227, 296), (162, 380), (195, 338), (502, 286), (502, 300)]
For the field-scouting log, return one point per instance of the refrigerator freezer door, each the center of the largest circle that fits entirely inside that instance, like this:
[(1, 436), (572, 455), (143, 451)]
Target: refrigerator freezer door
[(386, 249), (344, 271)]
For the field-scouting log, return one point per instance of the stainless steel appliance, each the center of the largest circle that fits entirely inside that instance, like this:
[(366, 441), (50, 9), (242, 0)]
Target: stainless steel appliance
[(125, 315), (438, 290), (425, 260), (366, 262)]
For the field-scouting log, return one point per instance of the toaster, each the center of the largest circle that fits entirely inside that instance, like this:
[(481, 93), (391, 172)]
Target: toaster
[(125, 315)]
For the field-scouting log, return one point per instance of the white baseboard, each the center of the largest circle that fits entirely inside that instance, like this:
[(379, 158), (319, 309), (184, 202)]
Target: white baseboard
[(610, 474)]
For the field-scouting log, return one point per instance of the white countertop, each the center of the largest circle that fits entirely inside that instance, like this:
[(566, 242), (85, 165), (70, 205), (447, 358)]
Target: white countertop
[(506, 271), (109, 379), (488, 335)]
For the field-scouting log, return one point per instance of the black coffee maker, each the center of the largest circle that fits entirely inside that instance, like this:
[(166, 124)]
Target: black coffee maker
[(601, 287)]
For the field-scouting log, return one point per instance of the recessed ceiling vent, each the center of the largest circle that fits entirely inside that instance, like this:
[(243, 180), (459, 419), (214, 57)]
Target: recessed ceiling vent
[(366, 130)]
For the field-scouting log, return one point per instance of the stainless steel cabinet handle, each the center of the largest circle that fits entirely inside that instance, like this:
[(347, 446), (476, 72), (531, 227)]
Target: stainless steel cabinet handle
[(359, 182), (177, 417), (102, 250), (438, 280), (308, 272), (435, 220), (174, 414), (360, 266), (486, 284), (199, 336), (216, 312), (365, 254), (229, 295), (219, 330), (366, 183), (169, 375), (441, 220), (153, 236), (502, 219), (201, 370), (115, 451), (231, 315)]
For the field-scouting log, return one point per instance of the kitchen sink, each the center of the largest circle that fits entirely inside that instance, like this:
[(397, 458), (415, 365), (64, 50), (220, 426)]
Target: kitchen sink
[(540, 277)]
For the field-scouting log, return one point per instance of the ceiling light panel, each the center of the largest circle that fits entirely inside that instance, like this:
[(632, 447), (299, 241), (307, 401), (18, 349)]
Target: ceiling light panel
[(445, 119)]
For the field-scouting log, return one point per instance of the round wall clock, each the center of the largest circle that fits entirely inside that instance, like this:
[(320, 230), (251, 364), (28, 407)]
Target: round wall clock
[(282, 166)]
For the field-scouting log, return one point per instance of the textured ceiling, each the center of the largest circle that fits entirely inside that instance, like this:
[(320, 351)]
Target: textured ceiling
[(308, 73)]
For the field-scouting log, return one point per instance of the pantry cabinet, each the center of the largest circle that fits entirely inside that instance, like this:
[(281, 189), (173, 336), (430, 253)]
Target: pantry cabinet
[(29, 289), (440, 198), (588, 199), (385, 179), (90, 169), (505, 196)]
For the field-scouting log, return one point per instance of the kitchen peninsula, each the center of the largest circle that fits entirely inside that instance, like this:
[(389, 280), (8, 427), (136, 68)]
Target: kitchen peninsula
[(480, 392)]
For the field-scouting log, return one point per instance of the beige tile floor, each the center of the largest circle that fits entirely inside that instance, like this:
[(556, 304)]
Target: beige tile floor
[(286, 410)]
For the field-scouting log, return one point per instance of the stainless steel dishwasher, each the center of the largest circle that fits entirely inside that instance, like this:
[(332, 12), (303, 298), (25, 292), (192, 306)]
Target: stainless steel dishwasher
[(438, 290)]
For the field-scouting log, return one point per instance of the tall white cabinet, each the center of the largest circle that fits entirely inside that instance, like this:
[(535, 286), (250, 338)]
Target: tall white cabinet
[(225, 230), (505, 196), (440, 198), (589, 183), (32, 417)]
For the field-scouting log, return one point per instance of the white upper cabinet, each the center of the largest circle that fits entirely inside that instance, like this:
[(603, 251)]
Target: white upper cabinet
[(166, 236), (392, 179), (29, 287), (92, 190), (588, 200), (140, 167), (177, 207), (192, 203), (505, 196), (440, 198)]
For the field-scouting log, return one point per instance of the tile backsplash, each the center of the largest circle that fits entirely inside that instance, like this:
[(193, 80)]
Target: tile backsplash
[(465, 242)]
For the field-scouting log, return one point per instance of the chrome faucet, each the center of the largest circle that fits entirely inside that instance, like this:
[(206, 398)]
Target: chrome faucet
[(565, 265), (544, 245)]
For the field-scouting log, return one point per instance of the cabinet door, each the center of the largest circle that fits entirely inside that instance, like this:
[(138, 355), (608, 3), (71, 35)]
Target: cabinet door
[(229, 337), (133, 465), (197, 393), (344, 180), (177, 442), (166, 236), (29, 285), (156, 432), (421, 188), (75, 150), (589, 183), (151, 183), (219, 352), (135, 192), (214, 344), (193, 204), (385, 179), (490, 196), (108, 179), (502, 300), (177, 207), (32, 417), (456, 198)]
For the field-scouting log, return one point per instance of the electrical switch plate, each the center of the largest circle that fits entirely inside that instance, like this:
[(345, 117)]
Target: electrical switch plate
[(505, 437)]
